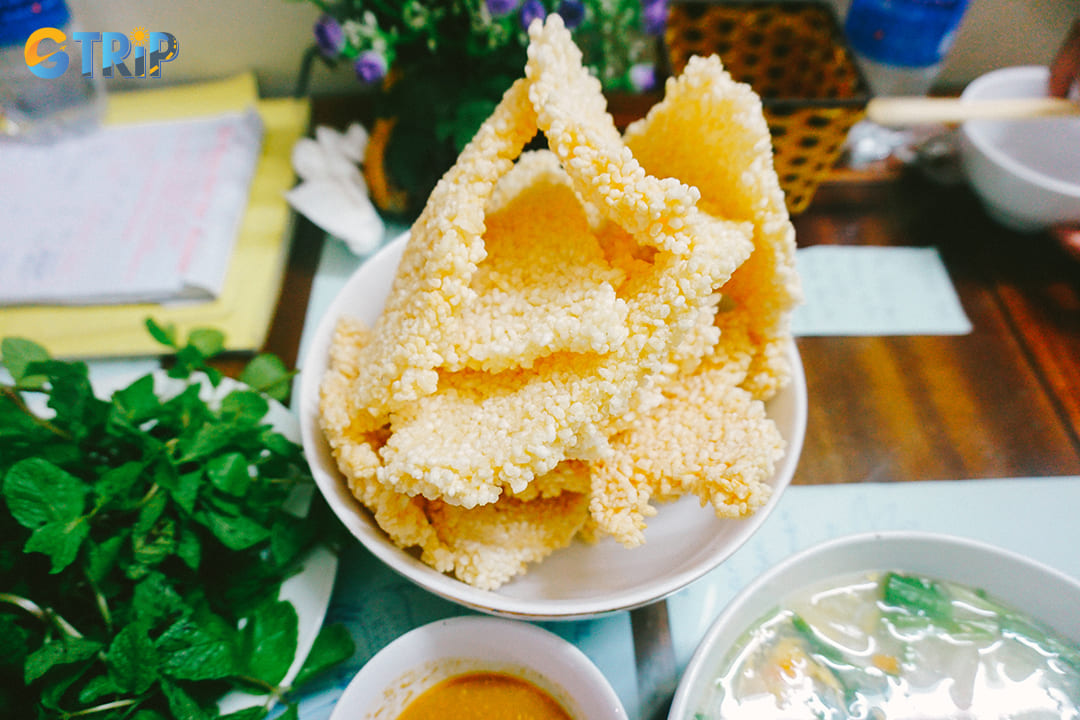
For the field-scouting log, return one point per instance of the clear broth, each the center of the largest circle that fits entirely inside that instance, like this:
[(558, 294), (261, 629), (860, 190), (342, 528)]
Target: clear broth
[(884, 646)]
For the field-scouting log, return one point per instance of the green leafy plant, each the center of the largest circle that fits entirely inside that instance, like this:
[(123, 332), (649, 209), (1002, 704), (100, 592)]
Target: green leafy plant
[(143, 542), (439, 68)]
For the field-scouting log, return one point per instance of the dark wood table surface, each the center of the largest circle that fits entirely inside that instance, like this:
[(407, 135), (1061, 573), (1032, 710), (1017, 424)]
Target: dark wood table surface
[(1001, 401)]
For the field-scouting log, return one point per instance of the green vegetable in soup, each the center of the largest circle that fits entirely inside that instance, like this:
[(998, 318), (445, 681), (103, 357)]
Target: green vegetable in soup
[(917, 595), (896, 645)]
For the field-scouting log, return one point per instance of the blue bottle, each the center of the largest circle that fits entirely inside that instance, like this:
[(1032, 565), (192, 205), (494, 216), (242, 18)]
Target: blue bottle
[(36, 109), (900, 44)]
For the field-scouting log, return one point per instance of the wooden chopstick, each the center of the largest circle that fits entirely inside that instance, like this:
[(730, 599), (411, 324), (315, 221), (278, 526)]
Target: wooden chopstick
[(904, 111)]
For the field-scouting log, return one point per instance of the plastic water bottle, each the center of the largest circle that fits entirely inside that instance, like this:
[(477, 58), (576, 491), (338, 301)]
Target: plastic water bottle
[(35, 109), (900, 44)]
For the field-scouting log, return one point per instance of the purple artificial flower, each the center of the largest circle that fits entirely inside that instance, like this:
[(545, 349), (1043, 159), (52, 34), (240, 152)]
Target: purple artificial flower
[(498, 8), (572, 12), (329, 36), (654, 16), (643, 76), (370, 67), (532, 10)]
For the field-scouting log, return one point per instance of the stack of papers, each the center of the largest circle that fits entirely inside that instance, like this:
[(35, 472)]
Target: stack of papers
[(130, 213), (175, 210)]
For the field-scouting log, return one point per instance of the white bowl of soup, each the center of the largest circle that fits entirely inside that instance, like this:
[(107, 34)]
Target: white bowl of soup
[(890, 625), (475, 667)]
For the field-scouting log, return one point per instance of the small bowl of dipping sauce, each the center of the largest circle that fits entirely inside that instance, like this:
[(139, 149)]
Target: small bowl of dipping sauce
[(890, 625), (475, 667)]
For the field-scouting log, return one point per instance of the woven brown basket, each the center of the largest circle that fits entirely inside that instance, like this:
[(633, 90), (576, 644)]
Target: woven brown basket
[(793, 54)]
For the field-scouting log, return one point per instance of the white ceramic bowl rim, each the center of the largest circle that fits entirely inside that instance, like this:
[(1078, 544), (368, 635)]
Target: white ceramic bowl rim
[(976, 130), (699, 669)]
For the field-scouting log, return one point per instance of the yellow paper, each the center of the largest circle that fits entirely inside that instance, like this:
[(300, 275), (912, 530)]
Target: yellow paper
[(245, 307)]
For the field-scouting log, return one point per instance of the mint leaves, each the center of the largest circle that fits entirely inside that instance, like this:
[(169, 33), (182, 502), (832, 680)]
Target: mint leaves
[(143, 542)]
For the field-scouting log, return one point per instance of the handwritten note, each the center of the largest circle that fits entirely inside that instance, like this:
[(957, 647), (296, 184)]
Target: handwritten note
[(876, 291), (135, 213)]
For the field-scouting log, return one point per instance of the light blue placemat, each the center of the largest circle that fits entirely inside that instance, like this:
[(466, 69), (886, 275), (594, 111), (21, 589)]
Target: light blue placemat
[(876, 291)]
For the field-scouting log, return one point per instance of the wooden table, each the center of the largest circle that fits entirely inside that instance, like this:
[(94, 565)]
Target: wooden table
[(1002, 401)]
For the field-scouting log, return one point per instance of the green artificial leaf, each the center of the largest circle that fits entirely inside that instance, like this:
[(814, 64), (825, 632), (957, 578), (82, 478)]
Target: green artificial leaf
[(60, 650), (266, 373), (332, 646), (236, 532), (192, 652), (17, 354), (132, 659), (60, 540), (181, 705), (292, 712), (165, 335), (37, 492), (270, 641), (229, 473)]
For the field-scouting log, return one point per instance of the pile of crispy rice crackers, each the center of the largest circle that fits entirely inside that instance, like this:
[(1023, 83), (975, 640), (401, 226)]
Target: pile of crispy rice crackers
[(577, 332)]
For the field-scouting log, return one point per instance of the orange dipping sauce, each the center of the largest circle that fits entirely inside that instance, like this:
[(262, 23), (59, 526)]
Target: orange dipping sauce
[(484, 696)]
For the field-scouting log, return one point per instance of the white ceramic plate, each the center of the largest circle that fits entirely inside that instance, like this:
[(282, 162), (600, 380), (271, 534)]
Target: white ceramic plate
[(422, 657), (308, 590), (1023, 583), (683, 541)]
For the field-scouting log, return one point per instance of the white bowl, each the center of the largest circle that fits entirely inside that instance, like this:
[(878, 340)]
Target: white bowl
[(683, 541), (1025, 172), (1029, 586), (422, 657)]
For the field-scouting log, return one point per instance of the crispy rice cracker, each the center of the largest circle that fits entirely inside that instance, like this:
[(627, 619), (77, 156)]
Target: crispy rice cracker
[(464, 426), (485, 546), (725, 150), (572, 337)]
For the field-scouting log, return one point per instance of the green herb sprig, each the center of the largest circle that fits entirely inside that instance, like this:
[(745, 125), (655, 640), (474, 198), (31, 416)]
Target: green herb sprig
[(143, 542)]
